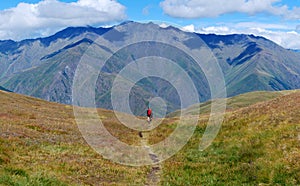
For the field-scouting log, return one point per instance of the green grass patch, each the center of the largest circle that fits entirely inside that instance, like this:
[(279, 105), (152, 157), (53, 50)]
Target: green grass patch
[(18, 177)]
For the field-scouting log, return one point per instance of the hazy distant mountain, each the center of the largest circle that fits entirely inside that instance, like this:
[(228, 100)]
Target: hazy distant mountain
[(45, 67)]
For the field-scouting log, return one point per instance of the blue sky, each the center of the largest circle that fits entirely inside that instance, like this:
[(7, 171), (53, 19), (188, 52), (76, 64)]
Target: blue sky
[(278, 20)]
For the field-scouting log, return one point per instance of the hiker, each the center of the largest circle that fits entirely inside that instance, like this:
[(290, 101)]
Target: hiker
[(149, 119), (149, 115)]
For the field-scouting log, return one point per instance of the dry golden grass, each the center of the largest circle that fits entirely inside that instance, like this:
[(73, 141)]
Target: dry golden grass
[(259, 143), (41, 140)]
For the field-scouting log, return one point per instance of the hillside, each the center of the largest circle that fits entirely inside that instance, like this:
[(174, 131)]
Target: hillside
[(40, 144), (258, 144), (232, 103), (45, 67)]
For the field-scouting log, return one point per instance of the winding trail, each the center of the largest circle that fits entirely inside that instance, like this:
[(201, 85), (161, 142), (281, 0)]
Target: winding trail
[(153, 178)]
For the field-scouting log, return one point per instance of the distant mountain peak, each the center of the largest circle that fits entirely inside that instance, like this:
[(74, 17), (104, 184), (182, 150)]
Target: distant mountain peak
[(127, 22), (72, 32)]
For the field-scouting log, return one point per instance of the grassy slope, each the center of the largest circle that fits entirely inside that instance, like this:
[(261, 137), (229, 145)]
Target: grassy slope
[(236, 102), (258, 143), (40, 144)]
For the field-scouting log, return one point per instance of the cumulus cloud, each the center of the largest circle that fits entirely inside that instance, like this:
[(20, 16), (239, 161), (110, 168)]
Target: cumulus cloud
[(214, 8), (45, 17), (286, 39)]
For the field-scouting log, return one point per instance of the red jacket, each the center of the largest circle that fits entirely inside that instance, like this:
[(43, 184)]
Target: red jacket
[(149, 112)]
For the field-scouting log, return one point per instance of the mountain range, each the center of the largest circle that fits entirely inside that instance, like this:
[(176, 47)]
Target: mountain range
[(45, 67)]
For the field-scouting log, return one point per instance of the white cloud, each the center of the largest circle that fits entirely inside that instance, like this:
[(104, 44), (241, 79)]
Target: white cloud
[(268, 26), (291, 14), (189, 28), (298, 28), (214, 8), (216, 29), (164, 25), (47, 16), (287, 39)]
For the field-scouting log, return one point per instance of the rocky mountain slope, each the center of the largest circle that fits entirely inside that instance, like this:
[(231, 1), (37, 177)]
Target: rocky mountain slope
[(45, 67)]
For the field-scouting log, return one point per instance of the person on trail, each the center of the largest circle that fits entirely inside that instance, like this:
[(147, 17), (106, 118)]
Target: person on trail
[(149, 114), (149, 119)]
